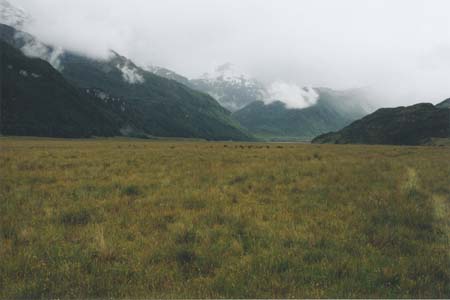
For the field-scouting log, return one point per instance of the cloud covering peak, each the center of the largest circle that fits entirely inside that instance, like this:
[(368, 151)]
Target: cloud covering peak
[(292, 95), (399, 48), (12, 15)]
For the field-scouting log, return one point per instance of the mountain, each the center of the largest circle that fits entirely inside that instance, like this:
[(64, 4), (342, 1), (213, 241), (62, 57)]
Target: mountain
[(411, 125), (163, 107), (168, 74), (233, 90), (150, 104), (30, 46), (36, 100), (275, 121), (444, 104), (252, 105)]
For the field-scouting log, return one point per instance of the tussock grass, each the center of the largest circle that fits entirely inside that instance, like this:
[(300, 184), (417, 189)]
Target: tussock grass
[(129, 218)]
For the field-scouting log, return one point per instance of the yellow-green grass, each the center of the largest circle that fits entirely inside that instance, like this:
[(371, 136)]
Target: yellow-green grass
[(142, 219)]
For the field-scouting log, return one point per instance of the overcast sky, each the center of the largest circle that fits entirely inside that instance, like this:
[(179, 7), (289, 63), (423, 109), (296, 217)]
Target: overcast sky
[(400, 48)]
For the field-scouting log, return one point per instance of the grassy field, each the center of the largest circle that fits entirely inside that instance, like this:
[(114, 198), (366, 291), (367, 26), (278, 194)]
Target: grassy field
[(130, 218)]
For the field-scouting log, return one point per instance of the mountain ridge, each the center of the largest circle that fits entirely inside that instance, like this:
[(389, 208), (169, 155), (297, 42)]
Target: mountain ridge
[(270, 120), (30, 86), (155, 106), (405, 125), (444, 104)]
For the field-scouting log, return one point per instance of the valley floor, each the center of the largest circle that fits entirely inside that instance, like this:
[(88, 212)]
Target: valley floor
[(131, 218)]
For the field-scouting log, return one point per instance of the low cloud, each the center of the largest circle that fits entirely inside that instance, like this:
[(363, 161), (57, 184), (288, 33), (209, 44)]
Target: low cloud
[(395, 47), (131, 74), (34, 48), (292, 95)]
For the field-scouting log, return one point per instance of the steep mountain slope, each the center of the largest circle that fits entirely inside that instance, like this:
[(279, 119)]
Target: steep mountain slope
[(153, 105), (411, 125), (168, 74), (444, 104), (274, 121), (162, 107), (36, 100)]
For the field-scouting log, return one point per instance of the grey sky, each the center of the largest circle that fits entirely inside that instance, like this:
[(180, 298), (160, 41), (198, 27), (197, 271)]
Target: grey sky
[(400, 48)]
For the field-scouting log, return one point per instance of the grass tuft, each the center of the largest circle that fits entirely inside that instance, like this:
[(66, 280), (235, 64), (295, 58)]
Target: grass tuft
[(76, 217), (131, 190)]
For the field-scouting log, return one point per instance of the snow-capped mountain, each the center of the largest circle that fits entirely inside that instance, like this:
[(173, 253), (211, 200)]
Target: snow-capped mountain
[(232, 89), (13, 15), (228, 73), (279, 110)]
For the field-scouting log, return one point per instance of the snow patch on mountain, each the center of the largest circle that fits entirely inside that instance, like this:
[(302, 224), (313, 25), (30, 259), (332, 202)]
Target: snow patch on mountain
[(228, 73), (166, 73), (158, 70), (231, 87)]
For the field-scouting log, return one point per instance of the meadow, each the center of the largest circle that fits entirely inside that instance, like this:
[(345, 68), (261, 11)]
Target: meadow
[(187, 219)]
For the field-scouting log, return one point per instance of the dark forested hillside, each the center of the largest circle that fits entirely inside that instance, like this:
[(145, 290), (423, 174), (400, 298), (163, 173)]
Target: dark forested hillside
[(275, 121), (36, 100), (411, 125), (444, 104), (131, 100), (162, 107)]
